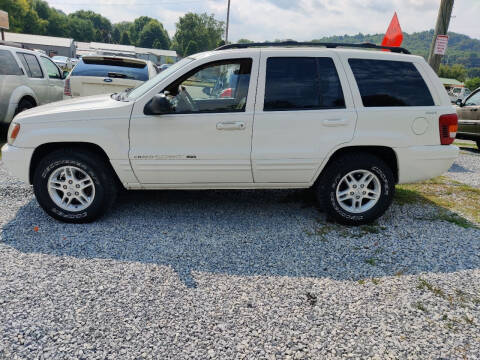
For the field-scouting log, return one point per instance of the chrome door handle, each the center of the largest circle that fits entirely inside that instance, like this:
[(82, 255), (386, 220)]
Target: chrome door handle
[(335, 122), (231, 125)]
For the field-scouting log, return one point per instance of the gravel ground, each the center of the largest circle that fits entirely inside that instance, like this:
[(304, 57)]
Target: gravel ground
[(466, 168), (234, 274)]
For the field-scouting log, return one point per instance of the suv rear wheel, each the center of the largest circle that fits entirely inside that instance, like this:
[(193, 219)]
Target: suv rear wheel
[(478, 144), (356, 189), (74, 187)]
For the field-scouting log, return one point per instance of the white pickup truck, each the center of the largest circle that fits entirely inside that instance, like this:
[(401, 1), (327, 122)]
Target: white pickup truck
[(351, 123)]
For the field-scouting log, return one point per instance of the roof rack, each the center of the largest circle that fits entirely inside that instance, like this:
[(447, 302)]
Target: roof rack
[(323, 44)]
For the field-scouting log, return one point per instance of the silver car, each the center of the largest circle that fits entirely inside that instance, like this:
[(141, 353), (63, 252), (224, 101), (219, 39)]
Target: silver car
[(27, 79)]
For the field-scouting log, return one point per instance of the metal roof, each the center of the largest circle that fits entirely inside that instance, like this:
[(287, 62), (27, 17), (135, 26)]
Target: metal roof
[(158, 52), (83, 47), (446, 81), (113, 47), (38, 39)]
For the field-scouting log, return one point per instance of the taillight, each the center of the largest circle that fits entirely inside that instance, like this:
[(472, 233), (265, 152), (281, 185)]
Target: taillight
[(67, 91), (448, 125), (13, 132)]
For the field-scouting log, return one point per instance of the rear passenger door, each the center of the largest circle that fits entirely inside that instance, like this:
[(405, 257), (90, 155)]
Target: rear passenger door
[(55, 79), (37, 79), (304, 109)]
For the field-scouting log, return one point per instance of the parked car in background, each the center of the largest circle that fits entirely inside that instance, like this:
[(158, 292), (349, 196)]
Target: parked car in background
[(27, 79), (163, 67), (63, 62), (458, 93), (99, 74), (350, 124), (468, 112)]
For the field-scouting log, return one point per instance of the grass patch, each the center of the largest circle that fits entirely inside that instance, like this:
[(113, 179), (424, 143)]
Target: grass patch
[(418, 305), (371, 261), (460, 203), (425, 285)]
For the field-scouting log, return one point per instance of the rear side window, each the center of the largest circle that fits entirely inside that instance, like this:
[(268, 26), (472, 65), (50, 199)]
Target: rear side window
[(8, 65), (390, 83), (296, 83), (113, 68), (31, 65)]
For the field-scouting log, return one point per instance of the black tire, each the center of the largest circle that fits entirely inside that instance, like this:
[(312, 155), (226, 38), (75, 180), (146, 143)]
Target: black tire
[(326, 188), (478, 144), (93, 165), (23, 105)]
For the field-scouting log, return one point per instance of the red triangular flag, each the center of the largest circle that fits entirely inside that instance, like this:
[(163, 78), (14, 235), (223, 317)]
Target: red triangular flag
[(394, 36)]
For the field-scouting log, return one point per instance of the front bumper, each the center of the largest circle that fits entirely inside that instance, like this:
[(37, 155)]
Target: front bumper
[(17, 161), (417, 163)]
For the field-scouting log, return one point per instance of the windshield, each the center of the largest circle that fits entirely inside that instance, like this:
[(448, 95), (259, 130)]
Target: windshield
[(146, 86)]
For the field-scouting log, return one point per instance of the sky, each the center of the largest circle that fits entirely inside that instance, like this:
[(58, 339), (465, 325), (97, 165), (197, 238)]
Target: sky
[(291, 19)]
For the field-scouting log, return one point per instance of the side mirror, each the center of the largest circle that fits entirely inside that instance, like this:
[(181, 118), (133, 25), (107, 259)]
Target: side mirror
[(65, 74), (459, 102), (158, 105), (207, 91)]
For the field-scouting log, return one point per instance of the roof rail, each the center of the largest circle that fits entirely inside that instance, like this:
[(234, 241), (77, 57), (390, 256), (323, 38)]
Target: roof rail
[(323, 44)]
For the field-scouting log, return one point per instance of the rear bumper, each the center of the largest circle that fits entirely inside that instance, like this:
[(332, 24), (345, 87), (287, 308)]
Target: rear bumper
[(419, 163), (17, 161)]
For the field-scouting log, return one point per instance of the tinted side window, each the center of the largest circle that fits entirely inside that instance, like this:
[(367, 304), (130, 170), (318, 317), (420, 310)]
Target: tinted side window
[(8, 65), (104, 67), (34, 69), (390, 83), (297, 83)]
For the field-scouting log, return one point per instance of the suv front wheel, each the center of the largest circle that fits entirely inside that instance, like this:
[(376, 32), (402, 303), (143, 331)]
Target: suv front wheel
[(74, 187), (356, 189)]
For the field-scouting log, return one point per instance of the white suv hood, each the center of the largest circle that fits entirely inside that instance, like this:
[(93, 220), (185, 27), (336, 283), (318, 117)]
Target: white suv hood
[(82, 108)]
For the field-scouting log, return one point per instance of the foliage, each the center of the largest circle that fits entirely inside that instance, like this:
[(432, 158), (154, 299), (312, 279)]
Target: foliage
[(244, 41), (37, 17), (153, 35), (473, 83), (456, 71), (461, 48), (196, 33), (125, 39)]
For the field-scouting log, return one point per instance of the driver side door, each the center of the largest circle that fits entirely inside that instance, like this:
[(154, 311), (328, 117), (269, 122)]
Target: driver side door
[(206, 135)]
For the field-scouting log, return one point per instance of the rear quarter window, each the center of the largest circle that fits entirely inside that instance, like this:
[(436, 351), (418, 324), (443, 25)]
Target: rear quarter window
[(111, 68), (390, 83), (8, 65)]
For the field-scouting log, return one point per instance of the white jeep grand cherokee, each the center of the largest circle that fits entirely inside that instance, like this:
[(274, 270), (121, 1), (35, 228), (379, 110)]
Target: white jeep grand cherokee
[(349, 123)]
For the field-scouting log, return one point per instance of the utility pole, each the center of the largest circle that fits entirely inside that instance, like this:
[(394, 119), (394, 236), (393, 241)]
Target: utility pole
[(441, 28), (228, 21)]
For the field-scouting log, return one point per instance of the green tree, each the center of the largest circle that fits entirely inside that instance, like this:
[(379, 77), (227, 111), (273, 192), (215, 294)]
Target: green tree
[(81, 29), (204, 30), (244, 41), (57, 24), (116, 35), (125, 39), (456, 71), (101, 25), (473, 83), (192, 47), (137, 27), (153, 33)]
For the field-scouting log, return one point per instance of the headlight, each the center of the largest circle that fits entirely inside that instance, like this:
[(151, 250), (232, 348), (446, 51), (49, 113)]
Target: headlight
[(13, 131)]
